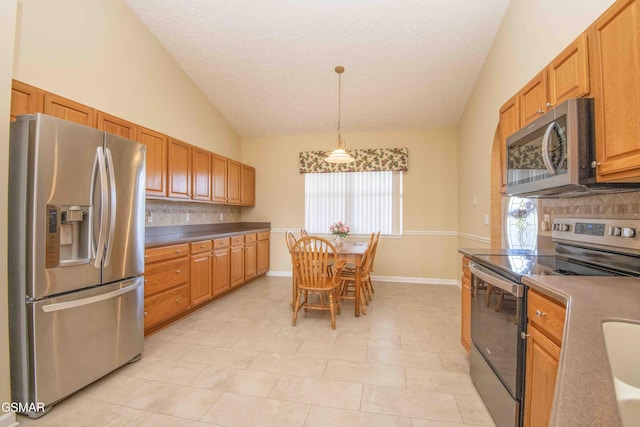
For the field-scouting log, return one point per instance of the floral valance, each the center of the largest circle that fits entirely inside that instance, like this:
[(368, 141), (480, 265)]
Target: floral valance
[(367, 160)]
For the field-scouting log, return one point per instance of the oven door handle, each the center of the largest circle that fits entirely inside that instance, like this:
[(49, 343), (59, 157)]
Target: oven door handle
[(491, 278)]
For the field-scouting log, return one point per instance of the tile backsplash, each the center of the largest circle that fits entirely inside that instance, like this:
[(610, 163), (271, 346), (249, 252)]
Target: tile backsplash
[(611, 205), (164, 213)]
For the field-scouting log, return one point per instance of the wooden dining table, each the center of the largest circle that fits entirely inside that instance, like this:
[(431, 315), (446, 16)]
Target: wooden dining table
[(353, 252)]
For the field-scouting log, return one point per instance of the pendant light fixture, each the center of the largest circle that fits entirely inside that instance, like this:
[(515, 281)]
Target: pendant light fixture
[(340, 154)]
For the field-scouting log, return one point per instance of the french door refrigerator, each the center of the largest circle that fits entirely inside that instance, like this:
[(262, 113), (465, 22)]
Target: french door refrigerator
[(76, 257)]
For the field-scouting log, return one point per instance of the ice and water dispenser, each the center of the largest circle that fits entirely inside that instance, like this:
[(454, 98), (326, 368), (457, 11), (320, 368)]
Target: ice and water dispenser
[(68, 235)]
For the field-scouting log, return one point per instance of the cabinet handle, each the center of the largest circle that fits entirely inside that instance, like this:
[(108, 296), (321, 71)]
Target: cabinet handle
[(540, 111), (540, 313), (178, 271), (202, 246), (549, 105), (523, 335), (178, 299), (178, 251)]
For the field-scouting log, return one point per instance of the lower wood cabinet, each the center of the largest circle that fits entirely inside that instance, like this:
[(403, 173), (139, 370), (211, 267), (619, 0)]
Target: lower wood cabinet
[(179, 278), (465, 327), (237, 260), (166, 283), (262, 253), (545, 327)]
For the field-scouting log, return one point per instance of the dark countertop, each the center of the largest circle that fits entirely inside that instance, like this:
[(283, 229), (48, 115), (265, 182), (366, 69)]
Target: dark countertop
[(160, 236), (584, 392), (471, 252)]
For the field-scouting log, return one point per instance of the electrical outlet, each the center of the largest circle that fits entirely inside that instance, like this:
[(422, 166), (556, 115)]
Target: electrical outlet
[(220, 216), (486, 219), (187, 216), (149, 217)]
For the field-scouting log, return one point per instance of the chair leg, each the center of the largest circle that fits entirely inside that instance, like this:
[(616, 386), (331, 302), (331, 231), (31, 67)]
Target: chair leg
[(332, 310), (362, 302), (296, 307), (336, 297)]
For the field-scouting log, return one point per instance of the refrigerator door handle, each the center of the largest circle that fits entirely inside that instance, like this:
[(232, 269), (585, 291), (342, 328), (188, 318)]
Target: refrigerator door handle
[(112, 206), (91, 300), (103, 209)]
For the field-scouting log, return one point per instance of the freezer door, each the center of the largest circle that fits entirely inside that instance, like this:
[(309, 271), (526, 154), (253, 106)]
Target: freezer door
[(124, 246), (62, 163), (77, 338)]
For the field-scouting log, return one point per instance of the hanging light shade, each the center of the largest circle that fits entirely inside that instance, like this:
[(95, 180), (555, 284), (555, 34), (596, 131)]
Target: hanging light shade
[(340, 153)]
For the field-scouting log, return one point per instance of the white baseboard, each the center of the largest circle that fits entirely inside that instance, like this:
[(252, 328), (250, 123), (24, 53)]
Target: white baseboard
[(8, 419), (395, 279)]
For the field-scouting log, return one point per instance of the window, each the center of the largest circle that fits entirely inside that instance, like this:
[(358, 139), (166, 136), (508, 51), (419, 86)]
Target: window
[(521, 224), (366, 201)]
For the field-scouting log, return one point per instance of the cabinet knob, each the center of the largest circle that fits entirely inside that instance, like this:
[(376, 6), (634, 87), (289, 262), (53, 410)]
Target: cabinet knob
[(145, 313), (178, 271), (540, 313), (540, 111), (178, 299), (178, 251), (549, 105), (594, 164), (523, 335)]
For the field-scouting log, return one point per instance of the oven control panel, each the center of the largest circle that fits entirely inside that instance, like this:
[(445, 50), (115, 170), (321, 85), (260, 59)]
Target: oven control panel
[(619, 233)]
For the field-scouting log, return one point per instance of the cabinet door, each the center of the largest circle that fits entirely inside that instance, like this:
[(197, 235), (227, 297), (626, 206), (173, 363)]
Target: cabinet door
[(218, 179), (201, 289), (569, 72), (25, 99), (250, 256), (179, 169), (233, 182), (116, 126), (156, 161), (540, 377), (201, 181), (533, 99), (237, 265), (616, 67), (221, 270), (67, 109), (509, 124), (262, 257), (248, 187)]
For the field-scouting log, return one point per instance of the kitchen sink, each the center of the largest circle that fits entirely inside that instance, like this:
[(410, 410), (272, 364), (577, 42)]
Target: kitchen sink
[(622, 340)]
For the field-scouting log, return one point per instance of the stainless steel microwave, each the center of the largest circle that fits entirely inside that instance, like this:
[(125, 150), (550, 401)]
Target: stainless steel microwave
[(553, 155)]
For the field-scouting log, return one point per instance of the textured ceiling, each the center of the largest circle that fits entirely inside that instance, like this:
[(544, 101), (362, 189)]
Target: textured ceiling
[(268, 65)]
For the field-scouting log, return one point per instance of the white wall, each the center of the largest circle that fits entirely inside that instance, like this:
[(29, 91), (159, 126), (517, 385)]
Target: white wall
[(7, 34), (532, 33), (99, 53)]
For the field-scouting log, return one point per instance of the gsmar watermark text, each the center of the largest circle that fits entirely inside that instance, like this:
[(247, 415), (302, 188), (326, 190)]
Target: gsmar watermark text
[(22, 407)]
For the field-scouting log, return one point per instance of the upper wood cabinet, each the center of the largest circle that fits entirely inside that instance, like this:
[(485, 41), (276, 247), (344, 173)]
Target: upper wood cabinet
[(569, 72), (615, 69), (179, 169), (201, 179), (233, 182), (566, 77), (156, 144), (25, 99), (533, 98), (67, 109), (248, 186), (116, 126), (509, 123), (218, 179)]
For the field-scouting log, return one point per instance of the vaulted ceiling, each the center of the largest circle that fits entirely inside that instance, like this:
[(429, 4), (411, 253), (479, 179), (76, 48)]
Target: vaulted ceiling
[(268, 65)]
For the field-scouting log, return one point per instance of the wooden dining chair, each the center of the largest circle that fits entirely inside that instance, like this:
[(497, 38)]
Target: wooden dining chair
[(310, 257), (291, 242), (366, 282), (348, 278), (303, 233)]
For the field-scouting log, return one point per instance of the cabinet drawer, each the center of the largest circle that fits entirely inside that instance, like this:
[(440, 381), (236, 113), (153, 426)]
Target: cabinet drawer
[(164, 253), (164, 275), (250, 237), (263, 235), (221, 243), (547, 315), (201, 247), (237, 240), (165, 305)]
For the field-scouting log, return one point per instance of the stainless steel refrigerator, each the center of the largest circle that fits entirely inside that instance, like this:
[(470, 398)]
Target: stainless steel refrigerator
[(76, 257)]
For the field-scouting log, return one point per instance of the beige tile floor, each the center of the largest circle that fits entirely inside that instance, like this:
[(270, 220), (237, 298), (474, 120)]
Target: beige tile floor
[(239, 362)]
